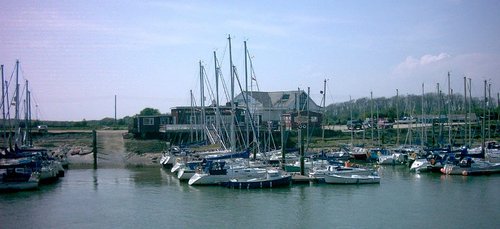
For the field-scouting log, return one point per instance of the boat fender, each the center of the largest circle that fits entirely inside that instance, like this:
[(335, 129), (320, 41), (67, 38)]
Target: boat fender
[(464, 173)]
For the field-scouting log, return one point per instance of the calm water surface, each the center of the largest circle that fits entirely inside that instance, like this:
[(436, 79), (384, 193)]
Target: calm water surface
[(149, 197)]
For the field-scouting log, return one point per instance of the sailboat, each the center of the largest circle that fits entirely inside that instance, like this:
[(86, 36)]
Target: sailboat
[(474, 166)]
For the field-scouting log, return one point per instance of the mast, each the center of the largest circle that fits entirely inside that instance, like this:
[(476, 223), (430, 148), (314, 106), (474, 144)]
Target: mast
[(397, 117), (422, 121), (30, 139), (439, 117), (217, 111), (489, 110), (483, 133), (17, 100), (202, 103), (246, 95), (352, 124), (378, 129), (16, 114), (410, 127), (233, 108), (465, 109), (371, 113), (308, 118), (26, 109), (449, 111), (470, 111), (3, 108), (324, 110), (8, 111), (191, 116)]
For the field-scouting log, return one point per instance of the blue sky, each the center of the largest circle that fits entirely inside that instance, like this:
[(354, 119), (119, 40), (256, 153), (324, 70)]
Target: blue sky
[(78, 54)]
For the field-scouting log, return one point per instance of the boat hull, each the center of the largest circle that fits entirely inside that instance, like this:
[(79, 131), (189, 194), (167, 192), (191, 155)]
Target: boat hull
[(481, 169), (185, 174), (352, 179), (283, 181)]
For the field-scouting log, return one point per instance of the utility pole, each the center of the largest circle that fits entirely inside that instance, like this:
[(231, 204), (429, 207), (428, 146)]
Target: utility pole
[(115, 110)]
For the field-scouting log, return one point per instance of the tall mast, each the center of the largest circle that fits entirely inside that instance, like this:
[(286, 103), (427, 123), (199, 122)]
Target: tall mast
[(371, 113), (26, 114), (202, 103), (465, 109), (352, 124), (397, 117), (422, 121), (17, 102), (490, 101), (410, 127), (439, 117), (29, 120), (449, 110), (233, 108), (8, 111), (217, 111), (17, 93), (3, 109), (308, 118), (246, 95), (470, 111), (483, 133), (324, 110), (191, 119)]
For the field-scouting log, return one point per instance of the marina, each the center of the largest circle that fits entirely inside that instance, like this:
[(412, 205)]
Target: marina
[(250, 114), (149, 197)]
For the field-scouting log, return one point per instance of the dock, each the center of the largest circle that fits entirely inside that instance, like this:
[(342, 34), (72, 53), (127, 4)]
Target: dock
[(301, 179)]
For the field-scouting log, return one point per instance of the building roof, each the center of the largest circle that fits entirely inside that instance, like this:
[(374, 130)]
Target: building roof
[(278, 99)]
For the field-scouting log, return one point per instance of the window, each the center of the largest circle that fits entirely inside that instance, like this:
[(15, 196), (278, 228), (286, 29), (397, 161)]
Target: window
[(148, 121)]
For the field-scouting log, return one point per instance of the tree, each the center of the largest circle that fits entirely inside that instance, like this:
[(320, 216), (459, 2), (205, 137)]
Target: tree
[(150, 111)]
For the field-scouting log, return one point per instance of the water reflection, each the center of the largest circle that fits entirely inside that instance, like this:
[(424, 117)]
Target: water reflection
[(94, 176)]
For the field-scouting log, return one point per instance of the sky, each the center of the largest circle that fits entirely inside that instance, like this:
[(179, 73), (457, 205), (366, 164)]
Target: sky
[(77, 55)]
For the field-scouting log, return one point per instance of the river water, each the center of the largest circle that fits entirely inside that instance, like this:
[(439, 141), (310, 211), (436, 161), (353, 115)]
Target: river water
[(149, 197)]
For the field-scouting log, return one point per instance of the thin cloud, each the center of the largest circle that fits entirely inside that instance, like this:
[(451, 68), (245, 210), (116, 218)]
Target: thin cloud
[(411, 63)]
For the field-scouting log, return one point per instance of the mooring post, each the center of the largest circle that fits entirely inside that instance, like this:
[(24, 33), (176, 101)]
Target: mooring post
[(94, 147)]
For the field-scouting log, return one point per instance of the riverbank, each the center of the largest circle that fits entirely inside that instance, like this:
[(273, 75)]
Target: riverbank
[(113, 149)]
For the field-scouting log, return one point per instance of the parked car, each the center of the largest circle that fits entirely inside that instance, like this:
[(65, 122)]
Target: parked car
[(42, 128)]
